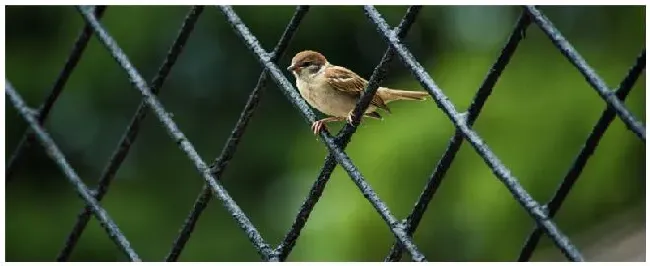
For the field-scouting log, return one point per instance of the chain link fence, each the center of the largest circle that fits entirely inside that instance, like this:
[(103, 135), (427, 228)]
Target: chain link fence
[(402, 230)]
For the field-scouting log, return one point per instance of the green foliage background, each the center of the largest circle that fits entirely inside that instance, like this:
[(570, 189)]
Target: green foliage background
[(536, 121)]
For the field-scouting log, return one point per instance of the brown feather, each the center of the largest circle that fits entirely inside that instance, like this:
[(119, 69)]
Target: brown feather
[(345, 80), (390, 95), (309, 56)]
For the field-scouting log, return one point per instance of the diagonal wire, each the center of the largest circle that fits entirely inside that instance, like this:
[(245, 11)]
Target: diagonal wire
[(59, 84), (343, 139), (57, 156), (331, 144), (230, 147), (533, 208), (131, 133), (413, 220), (594, 80), (587, 150), (177, 135)]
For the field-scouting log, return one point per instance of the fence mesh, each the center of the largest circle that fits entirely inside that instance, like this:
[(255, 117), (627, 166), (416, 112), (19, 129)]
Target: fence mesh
[(401, 230)]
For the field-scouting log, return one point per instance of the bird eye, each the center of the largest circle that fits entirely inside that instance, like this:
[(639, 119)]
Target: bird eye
[(306, 64)]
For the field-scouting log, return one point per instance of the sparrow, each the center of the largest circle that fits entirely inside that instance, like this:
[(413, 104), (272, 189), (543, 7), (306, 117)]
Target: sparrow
[(334, 90)]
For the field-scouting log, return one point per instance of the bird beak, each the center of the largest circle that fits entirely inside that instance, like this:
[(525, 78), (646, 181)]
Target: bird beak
[(291, 68)]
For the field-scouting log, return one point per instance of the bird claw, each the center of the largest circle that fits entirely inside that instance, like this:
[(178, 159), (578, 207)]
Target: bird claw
[(317, 127), (349, 118)]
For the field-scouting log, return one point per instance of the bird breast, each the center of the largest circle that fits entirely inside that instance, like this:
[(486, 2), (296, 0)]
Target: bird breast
[(326, 99)]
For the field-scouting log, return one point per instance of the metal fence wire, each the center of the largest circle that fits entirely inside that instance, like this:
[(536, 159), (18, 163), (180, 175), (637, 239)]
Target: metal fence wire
[(402, 230)]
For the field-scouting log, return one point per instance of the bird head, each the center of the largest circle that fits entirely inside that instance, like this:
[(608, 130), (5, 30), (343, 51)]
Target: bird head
[(307, 63)]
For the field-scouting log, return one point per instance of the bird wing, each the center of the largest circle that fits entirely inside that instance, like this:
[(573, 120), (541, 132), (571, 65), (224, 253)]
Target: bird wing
[(343, 79)]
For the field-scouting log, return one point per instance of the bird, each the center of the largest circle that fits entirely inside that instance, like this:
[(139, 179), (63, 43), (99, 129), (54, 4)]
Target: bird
[(334, 90)]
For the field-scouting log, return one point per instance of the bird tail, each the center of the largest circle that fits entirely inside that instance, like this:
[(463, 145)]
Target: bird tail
[(389, 95)]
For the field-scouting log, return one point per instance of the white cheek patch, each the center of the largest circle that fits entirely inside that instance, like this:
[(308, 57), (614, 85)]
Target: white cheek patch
[(313, 70), (314, 74)]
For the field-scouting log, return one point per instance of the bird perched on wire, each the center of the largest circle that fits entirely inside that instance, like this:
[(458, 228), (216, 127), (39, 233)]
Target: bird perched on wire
[(334, 90)]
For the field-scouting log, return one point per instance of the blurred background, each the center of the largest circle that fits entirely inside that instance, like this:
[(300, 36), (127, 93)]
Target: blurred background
[(536, 121)]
